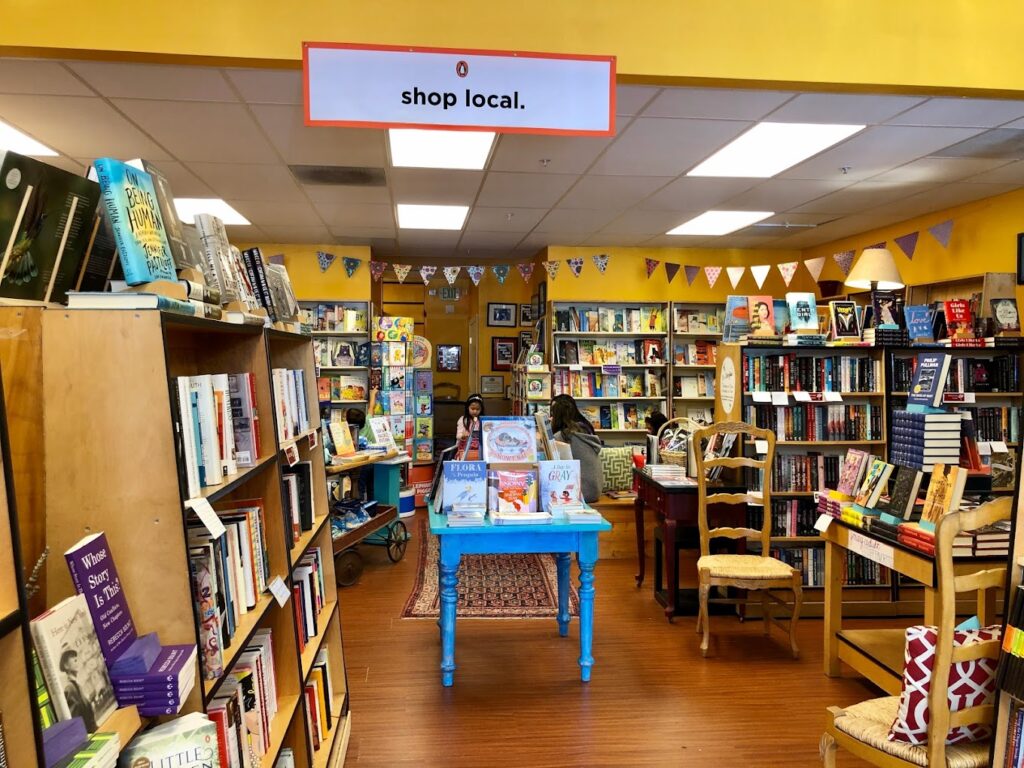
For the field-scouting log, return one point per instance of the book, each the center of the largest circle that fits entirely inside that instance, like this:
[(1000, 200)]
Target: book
[(1004, 312), (737, 319), (129, 199), (181, 247), (213, 238), (186, 742), (904, 492), (887, 310), (761, 311), (843, 315), (61, 740), (802, 312), (72, 662), (853, 468), (464, 485), (512, 491), (945, 489), (874, 483), (919, 323), (509, 439), (560, 485), (929, 380), (959, 322)]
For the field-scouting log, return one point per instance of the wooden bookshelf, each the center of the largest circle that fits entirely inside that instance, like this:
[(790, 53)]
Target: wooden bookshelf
[(325, 336), (683, 343)]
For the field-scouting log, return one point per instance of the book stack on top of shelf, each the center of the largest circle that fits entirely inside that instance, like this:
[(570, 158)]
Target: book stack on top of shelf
[(960, 322), (393, 375)]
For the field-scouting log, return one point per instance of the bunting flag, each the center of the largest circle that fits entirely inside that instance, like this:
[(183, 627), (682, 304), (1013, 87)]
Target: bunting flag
[(450, 273), (814, 266), (652, 264), (277, 259), (576, 265), (735, 274), (907, 243), (475, 273), (671, 270), (601, 262), (526, 271), (845, 260), (942, 232), (760, 273), (876, 245), (691, 273), (712, 274), (351, 265), (377, 269), (787, 271), (552, 268), (325, 259), (501, 272), (401, 270), (426, 273)]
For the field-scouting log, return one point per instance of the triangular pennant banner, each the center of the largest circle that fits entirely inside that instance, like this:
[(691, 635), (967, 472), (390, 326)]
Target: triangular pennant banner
[(351, 265), (501, 272), (691, 273), (401, 270), (325, 259), (576, 265), (712, 274), (671, 270), (601, 262), (652, 264), (907, 243), (475, 273), (845, 260), (760, 272), (552, 268), (735, 274), (876, 245), (526, 271), (942, 232), (377, 269), (788, 270), (426, 273), (277, 259), (814, 266), (450, 273)]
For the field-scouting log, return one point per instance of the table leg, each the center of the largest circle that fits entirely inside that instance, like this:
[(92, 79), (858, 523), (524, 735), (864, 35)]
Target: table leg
[(562, 560), (449, 570), (671, 567), (833, 606), (638, 513), (587, 559)]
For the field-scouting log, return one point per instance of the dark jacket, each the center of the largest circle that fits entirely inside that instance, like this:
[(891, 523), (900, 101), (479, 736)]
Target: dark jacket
[(587, 449)]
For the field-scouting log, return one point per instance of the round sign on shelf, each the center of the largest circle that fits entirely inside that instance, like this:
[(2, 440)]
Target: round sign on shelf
[(727, 388)]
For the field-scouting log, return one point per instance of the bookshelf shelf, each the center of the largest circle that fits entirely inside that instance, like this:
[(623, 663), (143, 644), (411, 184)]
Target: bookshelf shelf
[(125, 722), (700, 335), (307, 538), (312, 648), (795, 494), (976, 395), (350, 334), (606, 365), (841, 394), (341, 728), (343, 368), (619, 399), (696, 399), (826, 443), (287, 706), (347, 402), (690, 367), (612, 334), (247, 624), (299, 438), (213, 493)]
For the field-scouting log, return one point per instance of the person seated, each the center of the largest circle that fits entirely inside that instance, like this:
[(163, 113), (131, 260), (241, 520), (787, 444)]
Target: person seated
[(570, 427), (654, 421)]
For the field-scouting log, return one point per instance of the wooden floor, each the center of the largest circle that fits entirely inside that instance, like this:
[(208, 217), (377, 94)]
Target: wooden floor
[(518, 700)]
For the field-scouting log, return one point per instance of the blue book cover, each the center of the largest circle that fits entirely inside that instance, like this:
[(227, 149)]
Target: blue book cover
[(465, 484), (803, 312), (919, 322), (929, 379), (737, 318), (130, 201), (782, 319)]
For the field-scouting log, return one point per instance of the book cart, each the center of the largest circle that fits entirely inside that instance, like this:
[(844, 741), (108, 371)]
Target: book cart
[(114, 455)]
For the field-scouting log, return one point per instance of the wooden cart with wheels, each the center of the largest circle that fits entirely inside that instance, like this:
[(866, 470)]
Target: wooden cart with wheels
[(383, 529)]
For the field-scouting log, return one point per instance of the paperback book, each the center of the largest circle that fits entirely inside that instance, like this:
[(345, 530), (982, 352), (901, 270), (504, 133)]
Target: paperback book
[(512, 492), (803, 316), (844, 320), (853, 468), (874, 483), (187, 742)]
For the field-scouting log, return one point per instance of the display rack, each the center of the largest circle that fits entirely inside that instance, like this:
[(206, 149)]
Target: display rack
[(531, 384), (696, 333), (393, 375), (337, 350)]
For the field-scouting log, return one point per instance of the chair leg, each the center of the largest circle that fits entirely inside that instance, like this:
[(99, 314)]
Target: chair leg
[(766, 612), (705, 619), (827, 750), (798, 599)]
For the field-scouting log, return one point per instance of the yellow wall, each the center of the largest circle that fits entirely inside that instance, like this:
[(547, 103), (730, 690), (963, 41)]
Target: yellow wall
[(514, 291), (310, 283), (442, 327), (917, 44)]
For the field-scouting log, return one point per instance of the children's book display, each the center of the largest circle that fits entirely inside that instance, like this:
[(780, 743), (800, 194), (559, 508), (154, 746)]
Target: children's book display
[(393, 376), (423, 413)]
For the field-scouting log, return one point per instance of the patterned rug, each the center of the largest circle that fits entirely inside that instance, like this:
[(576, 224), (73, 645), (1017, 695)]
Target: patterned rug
[(490, 586)]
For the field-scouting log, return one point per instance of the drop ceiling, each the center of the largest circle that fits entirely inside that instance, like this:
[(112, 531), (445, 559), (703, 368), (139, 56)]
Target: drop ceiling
[(238, 133)]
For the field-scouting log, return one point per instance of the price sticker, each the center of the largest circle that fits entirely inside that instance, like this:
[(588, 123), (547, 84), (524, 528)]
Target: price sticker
[(823, 522), (312, 440), (291, 453), (206, 516), (279, 590), (761, 397)]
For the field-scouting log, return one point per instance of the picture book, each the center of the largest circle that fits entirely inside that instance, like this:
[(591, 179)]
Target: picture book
[(393, 328), (424, 427), (887, 310), (904, 492), (350, 388), (944, 492), (802, 312), (547, 436), (381, 428), (929, 380), (509, 439), (844, 319), (761, 311), (737, 319), (560, 485), (423, 381), (853, 468), (423, 449), (919, 323), (512, 491), (654, 352), (464, 485), (186, 742), (396, 353), (341, 437), (1007, 320), (874, 483), (424, 404)]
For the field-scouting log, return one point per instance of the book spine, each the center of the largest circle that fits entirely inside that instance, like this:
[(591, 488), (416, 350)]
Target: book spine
[(200, 292)]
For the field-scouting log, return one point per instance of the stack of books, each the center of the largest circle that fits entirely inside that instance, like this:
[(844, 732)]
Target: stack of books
[(922, 439), (464, 492), (990, 541), (308, 591), (319, 699), (68, 744), (162, 688), (667, 473)]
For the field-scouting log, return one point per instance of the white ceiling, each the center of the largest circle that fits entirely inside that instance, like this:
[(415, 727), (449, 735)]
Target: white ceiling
[(233, 133)]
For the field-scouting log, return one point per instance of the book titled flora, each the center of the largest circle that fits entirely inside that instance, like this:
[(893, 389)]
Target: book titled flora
[(559, 485), (465, 485), (509, 439)]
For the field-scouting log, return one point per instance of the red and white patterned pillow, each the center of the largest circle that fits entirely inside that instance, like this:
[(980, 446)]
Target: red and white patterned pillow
[(971, 684)]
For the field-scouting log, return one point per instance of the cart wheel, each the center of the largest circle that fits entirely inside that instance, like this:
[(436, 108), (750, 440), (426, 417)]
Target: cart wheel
[(348, 566), (398, 537)]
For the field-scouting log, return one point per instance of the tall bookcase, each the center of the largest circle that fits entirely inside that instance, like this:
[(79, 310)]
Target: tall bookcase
[(324, 335), (696, 332), (112, 454)]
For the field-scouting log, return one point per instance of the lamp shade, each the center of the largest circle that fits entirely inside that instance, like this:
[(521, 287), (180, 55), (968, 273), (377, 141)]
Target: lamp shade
[(875, 265)]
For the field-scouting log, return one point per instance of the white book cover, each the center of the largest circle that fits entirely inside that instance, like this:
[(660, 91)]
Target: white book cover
[(217, 253), (242, 423), (203, 386), (222, 394), (324, 658), (559, 484), (189, 741), (188, 436)]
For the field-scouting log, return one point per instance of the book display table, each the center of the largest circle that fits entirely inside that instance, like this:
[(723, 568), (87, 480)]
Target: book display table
[(559, 537)]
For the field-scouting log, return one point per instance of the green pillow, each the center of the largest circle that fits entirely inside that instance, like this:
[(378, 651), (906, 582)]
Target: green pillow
[(617, 467)]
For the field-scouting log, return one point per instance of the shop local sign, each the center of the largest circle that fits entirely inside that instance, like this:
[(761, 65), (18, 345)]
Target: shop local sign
[(391, 87)]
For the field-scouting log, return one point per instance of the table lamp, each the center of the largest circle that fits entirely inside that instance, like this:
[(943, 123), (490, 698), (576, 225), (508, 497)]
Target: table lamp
[(875, 270)]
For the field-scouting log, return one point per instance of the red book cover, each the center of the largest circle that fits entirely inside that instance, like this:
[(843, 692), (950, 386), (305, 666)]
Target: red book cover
[(958, 318), (220, 719), (915, 543)]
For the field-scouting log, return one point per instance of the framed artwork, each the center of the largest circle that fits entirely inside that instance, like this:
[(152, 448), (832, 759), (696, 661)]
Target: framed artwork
[(492, 385), (534, 304), (501, 315), (542, 300), (449, 357), (525, 339), (525, 314), (503, 353)]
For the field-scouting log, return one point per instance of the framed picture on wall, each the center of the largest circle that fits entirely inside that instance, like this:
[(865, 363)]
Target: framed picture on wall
[(525, 339), (525, 314), (501, 315), (449, 357), (534, 304), (503, 353), (492, 385)]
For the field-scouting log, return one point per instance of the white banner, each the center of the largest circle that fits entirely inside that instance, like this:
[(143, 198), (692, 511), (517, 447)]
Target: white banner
[(388, 87)]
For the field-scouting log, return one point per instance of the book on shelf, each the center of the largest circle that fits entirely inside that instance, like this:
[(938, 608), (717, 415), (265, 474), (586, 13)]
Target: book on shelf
[(509, 439), (904, 492), (843, 315), (512, 497), (281, 292), (165, 686), (560, 488), (875, 480), (761, 313), (309, 592), (802, 312), (737, 319), (929, 379), (1005, 316), (887, 309), (945, 489), (62, 740), (300, 493), (958, 317), (854, 466), (186, 742), (213, 238), (139, 300)]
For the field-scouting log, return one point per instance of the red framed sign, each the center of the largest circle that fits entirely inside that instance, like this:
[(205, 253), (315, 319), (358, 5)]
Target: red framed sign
[(378, 86)]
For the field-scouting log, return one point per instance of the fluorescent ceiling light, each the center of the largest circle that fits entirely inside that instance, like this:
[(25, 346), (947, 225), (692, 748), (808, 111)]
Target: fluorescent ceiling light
[(413, 148), (431, 216), (770, 148), (719, 222), (14, 140), (188, 207)]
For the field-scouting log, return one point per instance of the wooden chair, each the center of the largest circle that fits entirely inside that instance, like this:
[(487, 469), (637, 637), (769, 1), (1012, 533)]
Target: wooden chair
[(862, 728), (758, 572)]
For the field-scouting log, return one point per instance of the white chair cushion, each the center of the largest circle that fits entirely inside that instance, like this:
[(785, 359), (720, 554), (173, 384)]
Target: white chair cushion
[(744, 567)]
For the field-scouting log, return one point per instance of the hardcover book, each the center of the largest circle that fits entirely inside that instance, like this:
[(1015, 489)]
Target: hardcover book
[(737, 318), (217, 254), (1007, 320), (904, 492), (874, 483), (887, 310), (181, 248), (944, 492), (803, 313), (464, 485), (919, 323), (929, 380), (509, 439), (844, 319), (958, 318), (761, 310), (782, 319), (512, 491), (559, 485), (853, 468)]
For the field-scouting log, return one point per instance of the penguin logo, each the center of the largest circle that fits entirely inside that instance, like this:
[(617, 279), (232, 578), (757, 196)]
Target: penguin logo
[(462, 69)]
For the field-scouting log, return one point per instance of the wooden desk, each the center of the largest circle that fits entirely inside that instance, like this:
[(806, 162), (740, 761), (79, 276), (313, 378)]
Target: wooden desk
[(877, 654), (559, 537), (676, 505)]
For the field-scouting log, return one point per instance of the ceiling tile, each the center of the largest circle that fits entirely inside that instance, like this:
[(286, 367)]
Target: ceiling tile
[(131, 80), (745, 240), (275, 213), (567, 154), (364, 233), (842, 108), (943, 197), (630, 99), (34, 76), (939, 169), (644, 223), (481, 239), (68, 164), (338, 215), (695, 194), (715, 104), (611, 192), (861, 196), (577, 222), (981, 113), (781, 194), (683, 241), (1012, 173), (433, 186), (238, 233), (341, 193), (267, 86), (292, 234), (498, 219), (297, 143), (78, 126), (427, 238), (201, 131), (523, 190), (852, 225), (184, 183), (608, 239), (250, 181), (665, 147)]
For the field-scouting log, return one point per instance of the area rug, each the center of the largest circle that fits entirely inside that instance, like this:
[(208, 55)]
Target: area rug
[(490, 586)]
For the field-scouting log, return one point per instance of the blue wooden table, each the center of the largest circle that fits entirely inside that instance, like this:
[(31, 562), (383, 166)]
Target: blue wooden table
[(560, 537)]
